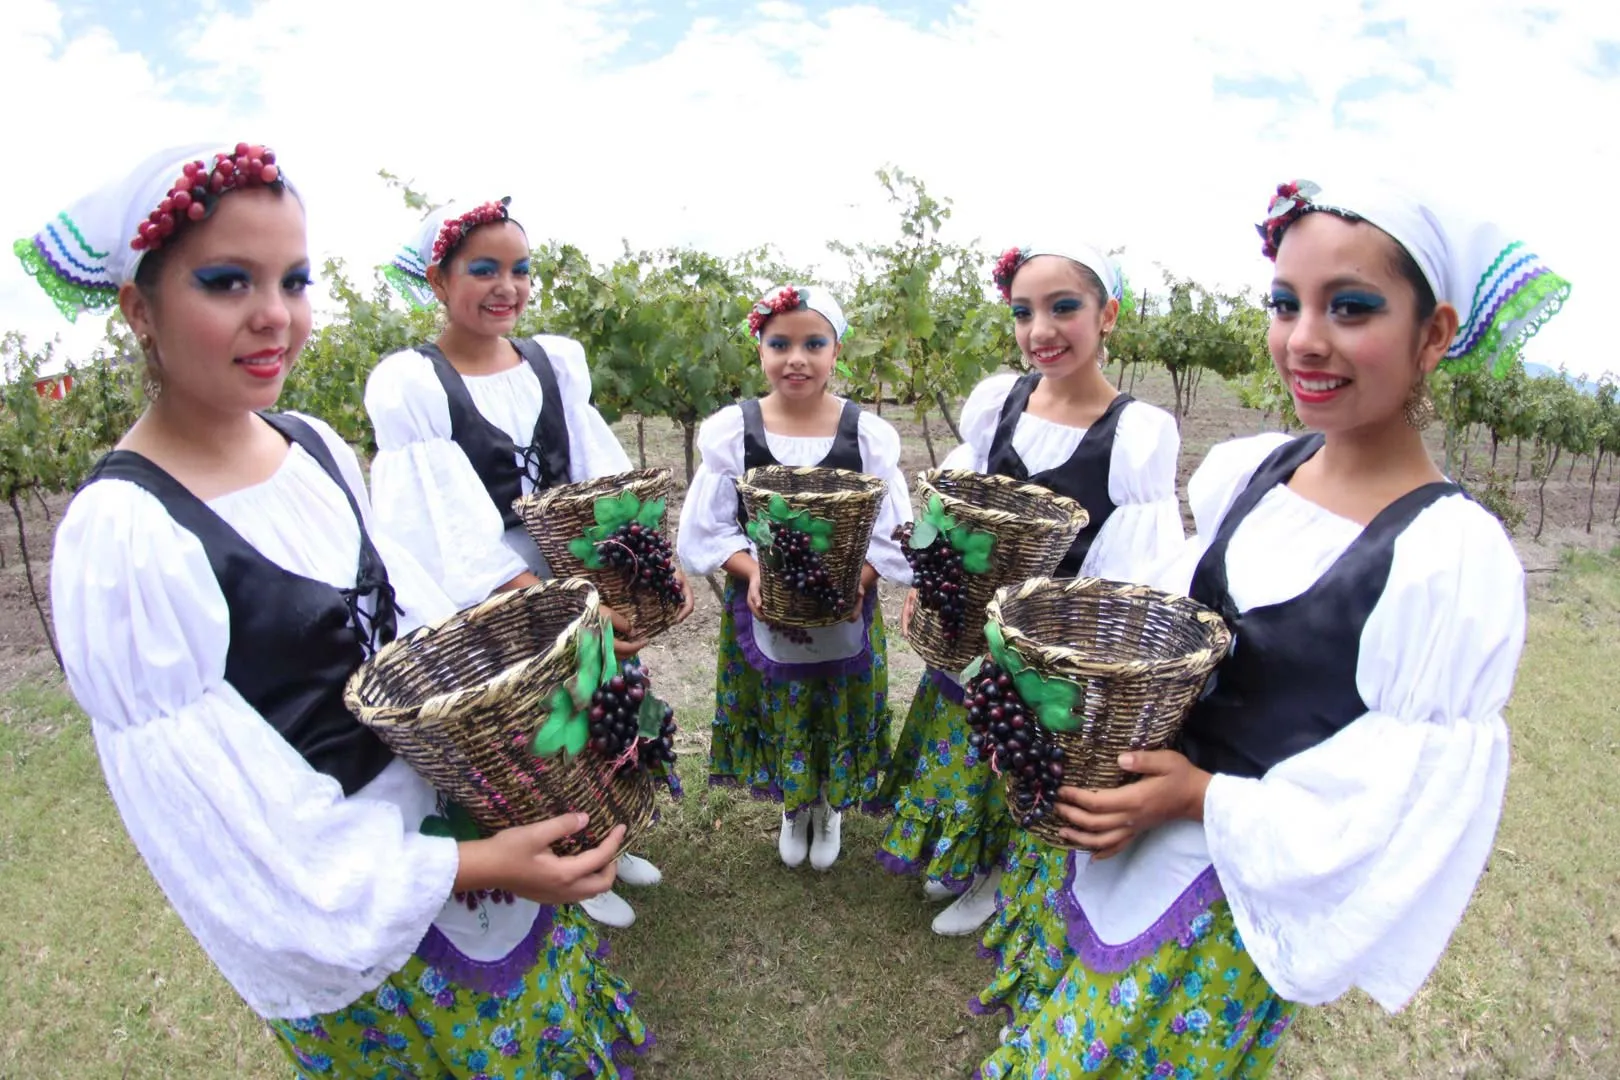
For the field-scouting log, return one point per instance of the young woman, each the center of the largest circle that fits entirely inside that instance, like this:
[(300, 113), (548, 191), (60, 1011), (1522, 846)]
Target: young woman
[(469, 423), (800, 718), (1065, 427), (1338, 788), (214, 584)]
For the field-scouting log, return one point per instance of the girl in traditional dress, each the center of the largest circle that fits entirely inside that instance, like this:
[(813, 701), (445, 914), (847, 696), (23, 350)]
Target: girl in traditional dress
[(1337, 791), (215, 583), (469, 423), (801, 718), (1065, 427)]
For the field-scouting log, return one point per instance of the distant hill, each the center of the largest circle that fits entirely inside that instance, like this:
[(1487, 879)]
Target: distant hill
[(1585, 386)]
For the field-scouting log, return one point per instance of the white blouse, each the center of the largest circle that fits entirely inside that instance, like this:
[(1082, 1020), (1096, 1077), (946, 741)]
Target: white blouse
[(1350, 863), (1145, 528), (709, 534), (305, 900), (428, 497)]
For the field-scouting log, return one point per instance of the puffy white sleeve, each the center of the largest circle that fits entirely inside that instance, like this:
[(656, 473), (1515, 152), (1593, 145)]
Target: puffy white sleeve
[(1211, 490), (304, 899), (1350, 864), (980, 415), (425, 495), (593, 450), (419, 598), (880, 453), (1145, 528), (709, 534)]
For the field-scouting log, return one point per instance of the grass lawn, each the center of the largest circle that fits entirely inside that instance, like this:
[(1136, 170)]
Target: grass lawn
[(749, 970)]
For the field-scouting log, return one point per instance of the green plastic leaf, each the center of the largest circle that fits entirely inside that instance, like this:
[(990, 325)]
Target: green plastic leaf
[(610, 660), (437, 826), (650, 718), (936, 515), (923, 534), (759, 531), (613, 511), (779, 509), (553, 734), (1007, 658), (818, 527), (590, 661), (976, 562), (975, 548), (585, 551), (651, 514), (576, 734), (820, 544)]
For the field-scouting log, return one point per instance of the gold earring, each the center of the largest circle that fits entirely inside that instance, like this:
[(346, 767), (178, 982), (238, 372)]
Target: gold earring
[(1419, 409), (151, 385)]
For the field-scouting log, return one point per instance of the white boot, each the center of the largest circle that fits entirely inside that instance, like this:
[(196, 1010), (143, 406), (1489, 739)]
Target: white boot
[(609, 909), (634, 870), (794, 842), (972, 909), (826, 837), (936, 890)]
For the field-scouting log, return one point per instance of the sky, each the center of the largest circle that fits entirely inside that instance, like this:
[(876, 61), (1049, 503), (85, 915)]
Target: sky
[(1159, 128)]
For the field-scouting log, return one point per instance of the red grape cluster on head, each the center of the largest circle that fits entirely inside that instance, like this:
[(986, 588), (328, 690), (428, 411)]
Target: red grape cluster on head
[(1005, 268), (451, 232), (192, 196), (786, 299), (1293, 206)]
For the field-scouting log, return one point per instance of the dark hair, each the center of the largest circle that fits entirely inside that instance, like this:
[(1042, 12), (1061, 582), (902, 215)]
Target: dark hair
[(1406, 267), (151, 265), (1092, 282)]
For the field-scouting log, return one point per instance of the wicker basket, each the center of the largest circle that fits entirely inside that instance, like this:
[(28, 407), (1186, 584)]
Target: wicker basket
[(1033, 529), (849, 501), (556, 516), (461, 701), (1139, 658)]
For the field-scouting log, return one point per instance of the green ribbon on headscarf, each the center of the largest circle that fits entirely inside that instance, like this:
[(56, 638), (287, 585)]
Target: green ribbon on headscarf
[(1052, 700)]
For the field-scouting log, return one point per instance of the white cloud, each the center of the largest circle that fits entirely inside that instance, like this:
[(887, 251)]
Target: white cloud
[(767, 126)]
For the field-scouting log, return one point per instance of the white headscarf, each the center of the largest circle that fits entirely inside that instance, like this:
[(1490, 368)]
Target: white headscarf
[(83, 254), (809, 298), (407, 271), (1087, 255), (1501, 289)]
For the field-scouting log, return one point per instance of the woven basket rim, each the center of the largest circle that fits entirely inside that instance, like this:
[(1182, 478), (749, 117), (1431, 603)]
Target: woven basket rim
[(1218, 634), (448, 700), (868, 484), (541, 500), (926, 485)]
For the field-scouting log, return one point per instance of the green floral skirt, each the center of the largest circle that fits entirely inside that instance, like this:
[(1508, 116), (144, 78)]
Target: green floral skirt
[(1195, 1009), (950, 820), (1028, 935), (567, 1018), (785, 738)]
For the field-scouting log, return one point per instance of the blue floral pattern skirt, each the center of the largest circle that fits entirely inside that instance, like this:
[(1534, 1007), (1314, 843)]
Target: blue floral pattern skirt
[(567, 1018), (950, 818), (783, 739), (1195, 1009)]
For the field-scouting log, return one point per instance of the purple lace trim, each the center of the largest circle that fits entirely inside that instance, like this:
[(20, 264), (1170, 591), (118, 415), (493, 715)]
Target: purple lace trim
[(947, 687), (496, 977), (1176, 921), (624, 1051), (858, 664), (773, 794), (894, 864)]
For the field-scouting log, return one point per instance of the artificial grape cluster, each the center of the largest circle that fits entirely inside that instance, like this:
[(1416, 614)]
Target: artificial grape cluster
[(645, 556), (615, 710), (1004, 727), (940, 581), (454, 229), (188, 198), (802, 568), (494, 896), (659, 754)]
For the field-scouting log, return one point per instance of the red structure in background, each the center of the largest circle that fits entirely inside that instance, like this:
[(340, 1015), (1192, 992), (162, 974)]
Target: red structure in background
[(55, 387)]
